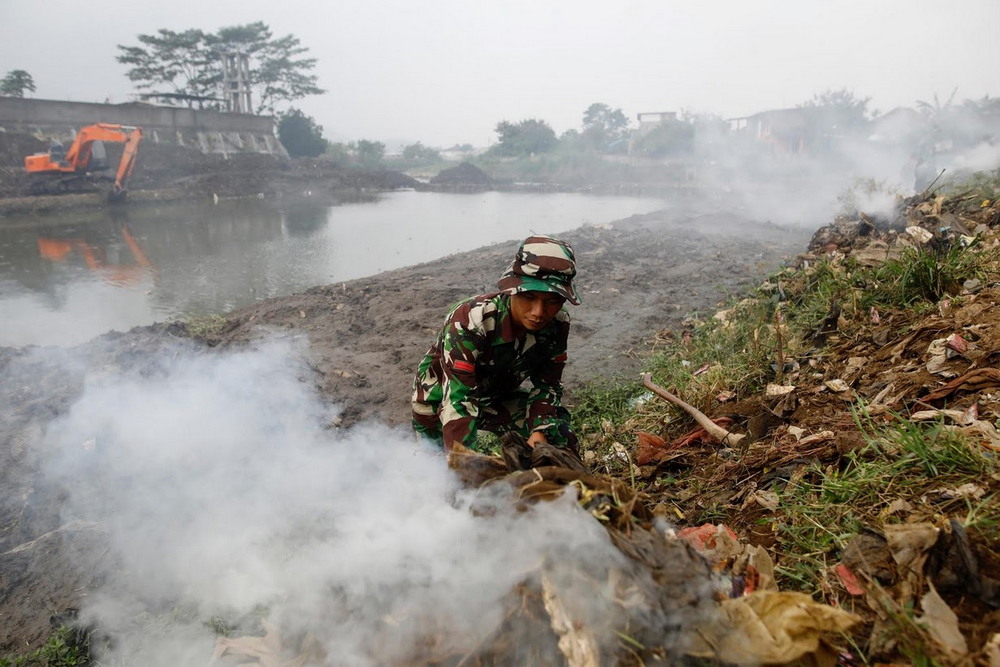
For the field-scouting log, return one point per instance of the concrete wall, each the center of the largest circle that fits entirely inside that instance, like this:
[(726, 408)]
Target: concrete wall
[(207, 131)]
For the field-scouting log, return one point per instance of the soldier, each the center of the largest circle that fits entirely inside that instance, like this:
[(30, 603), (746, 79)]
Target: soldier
[(471, 378)]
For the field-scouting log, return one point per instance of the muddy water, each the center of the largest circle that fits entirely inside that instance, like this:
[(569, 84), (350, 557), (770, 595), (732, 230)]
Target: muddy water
[(67, 279)]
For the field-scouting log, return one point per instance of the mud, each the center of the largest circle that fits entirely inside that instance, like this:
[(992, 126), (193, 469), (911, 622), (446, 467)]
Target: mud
[(636, 277)]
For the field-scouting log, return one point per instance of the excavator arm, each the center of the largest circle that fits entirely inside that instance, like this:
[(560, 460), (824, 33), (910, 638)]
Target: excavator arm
[(127, 164)]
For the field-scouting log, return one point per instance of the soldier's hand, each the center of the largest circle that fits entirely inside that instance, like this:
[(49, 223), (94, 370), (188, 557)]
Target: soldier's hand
[(536, 438), (457, 450)]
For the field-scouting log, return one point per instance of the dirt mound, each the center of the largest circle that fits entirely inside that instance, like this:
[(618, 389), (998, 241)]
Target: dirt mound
[(14, 147), (464, 174)]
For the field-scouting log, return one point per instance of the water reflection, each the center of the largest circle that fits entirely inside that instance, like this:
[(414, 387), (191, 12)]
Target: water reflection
[(305, 216), (96, 257), (66, 279)]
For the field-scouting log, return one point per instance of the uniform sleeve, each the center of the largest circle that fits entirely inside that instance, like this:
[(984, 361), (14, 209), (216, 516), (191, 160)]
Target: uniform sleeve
[(462, 341), (547, 388)]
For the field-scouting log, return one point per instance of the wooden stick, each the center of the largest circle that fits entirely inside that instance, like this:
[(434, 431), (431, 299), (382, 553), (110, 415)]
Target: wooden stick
[(923, 194), (720, 434)]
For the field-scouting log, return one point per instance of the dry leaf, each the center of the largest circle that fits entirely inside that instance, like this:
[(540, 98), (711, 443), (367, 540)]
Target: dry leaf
[(910, 542), (942, 623), (769, 627), (837, 385)]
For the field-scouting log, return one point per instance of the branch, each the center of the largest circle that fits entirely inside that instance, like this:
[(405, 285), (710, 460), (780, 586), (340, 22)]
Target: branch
[(713, 429)]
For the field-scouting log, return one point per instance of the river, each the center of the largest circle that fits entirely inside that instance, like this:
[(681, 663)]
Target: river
[(66, 279)]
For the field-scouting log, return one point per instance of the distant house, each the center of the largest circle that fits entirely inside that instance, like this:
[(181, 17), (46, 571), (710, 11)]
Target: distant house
[(649, 120), (785, 131), (460, 153)]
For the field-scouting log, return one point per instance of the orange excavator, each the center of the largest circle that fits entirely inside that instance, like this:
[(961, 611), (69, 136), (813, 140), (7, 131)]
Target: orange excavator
[(58, 171)]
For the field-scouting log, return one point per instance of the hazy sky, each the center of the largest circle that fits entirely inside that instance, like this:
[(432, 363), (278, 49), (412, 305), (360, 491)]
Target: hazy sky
[(446, 71)]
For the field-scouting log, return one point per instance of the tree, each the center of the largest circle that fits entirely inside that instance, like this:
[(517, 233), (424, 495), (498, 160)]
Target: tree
[(370, 153), (962, 125), (525, 138), (604, 128), (937, 107), (338, 153), (671, 137), (300, 135), (418, 151), (189, 65), (571, 141), (839, 110), (275, 74), (16, 82), (178, 61)]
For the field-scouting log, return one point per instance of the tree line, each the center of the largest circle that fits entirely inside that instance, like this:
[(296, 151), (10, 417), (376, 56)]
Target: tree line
[(187, 68)]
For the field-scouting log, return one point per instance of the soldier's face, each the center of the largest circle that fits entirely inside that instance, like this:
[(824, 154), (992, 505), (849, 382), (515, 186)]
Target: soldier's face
[(533, 311)]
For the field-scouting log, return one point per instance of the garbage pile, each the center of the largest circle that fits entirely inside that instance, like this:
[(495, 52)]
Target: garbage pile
[(913, 386), (690, 593)]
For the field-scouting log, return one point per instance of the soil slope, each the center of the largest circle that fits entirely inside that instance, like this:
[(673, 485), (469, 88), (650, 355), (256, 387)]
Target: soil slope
[(636, 277)]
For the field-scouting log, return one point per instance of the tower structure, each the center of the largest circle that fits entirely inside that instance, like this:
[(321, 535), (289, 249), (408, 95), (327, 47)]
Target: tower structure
[(236, 82)]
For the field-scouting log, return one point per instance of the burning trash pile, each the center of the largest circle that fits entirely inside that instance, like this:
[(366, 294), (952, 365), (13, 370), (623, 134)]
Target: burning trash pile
[(667, 595)]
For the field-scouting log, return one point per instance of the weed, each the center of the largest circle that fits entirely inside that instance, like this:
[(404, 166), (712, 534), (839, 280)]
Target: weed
[(206, 326), (66, 647), (929, 273), (974, 189), (599, 402), (936, 450), (732, 352)]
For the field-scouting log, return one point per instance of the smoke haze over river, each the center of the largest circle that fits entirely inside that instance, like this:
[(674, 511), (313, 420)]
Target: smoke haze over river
[(64, 282)]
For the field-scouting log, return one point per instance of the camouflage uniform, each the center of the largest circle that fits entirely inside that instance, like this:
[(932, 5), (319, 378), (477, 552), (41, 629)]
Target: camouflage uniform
[(472, 377)]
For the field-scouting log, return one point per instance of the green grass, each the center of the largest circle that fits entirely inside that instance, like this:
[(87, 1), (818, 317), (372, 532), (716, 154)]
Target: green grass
[(902, 459), (601, 402), (64, 648), (927, 274), (205, 326), (738, 354)]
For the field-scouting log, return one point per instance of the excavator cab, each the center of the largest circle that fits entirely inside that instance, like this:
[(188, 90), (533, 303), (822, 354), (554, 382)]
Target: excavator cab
[(98, 156), (57, 153)]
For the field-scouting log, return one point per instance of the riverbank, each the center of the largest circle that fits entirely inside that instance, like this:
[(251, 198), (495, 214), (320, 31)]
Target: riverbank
[(637, 277)]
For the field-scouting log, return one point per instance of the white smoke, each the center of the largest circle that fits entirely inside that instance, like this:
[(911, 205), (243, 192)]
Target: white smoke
[(225, 493), (984, 156)]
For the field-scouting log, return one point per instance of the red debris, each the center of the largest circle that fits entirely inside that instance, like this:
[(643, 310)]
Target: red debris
[(848, 579)]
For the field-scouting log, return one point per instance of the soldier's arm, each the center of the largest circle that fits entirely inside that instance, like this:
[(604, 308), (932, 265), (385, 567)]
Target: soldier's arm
[(547, 390), (459, 406)]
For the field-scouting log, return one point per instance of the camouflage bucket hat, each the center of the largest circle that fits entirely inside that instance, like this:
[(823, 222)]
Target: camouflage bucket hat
[(542, 264)]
